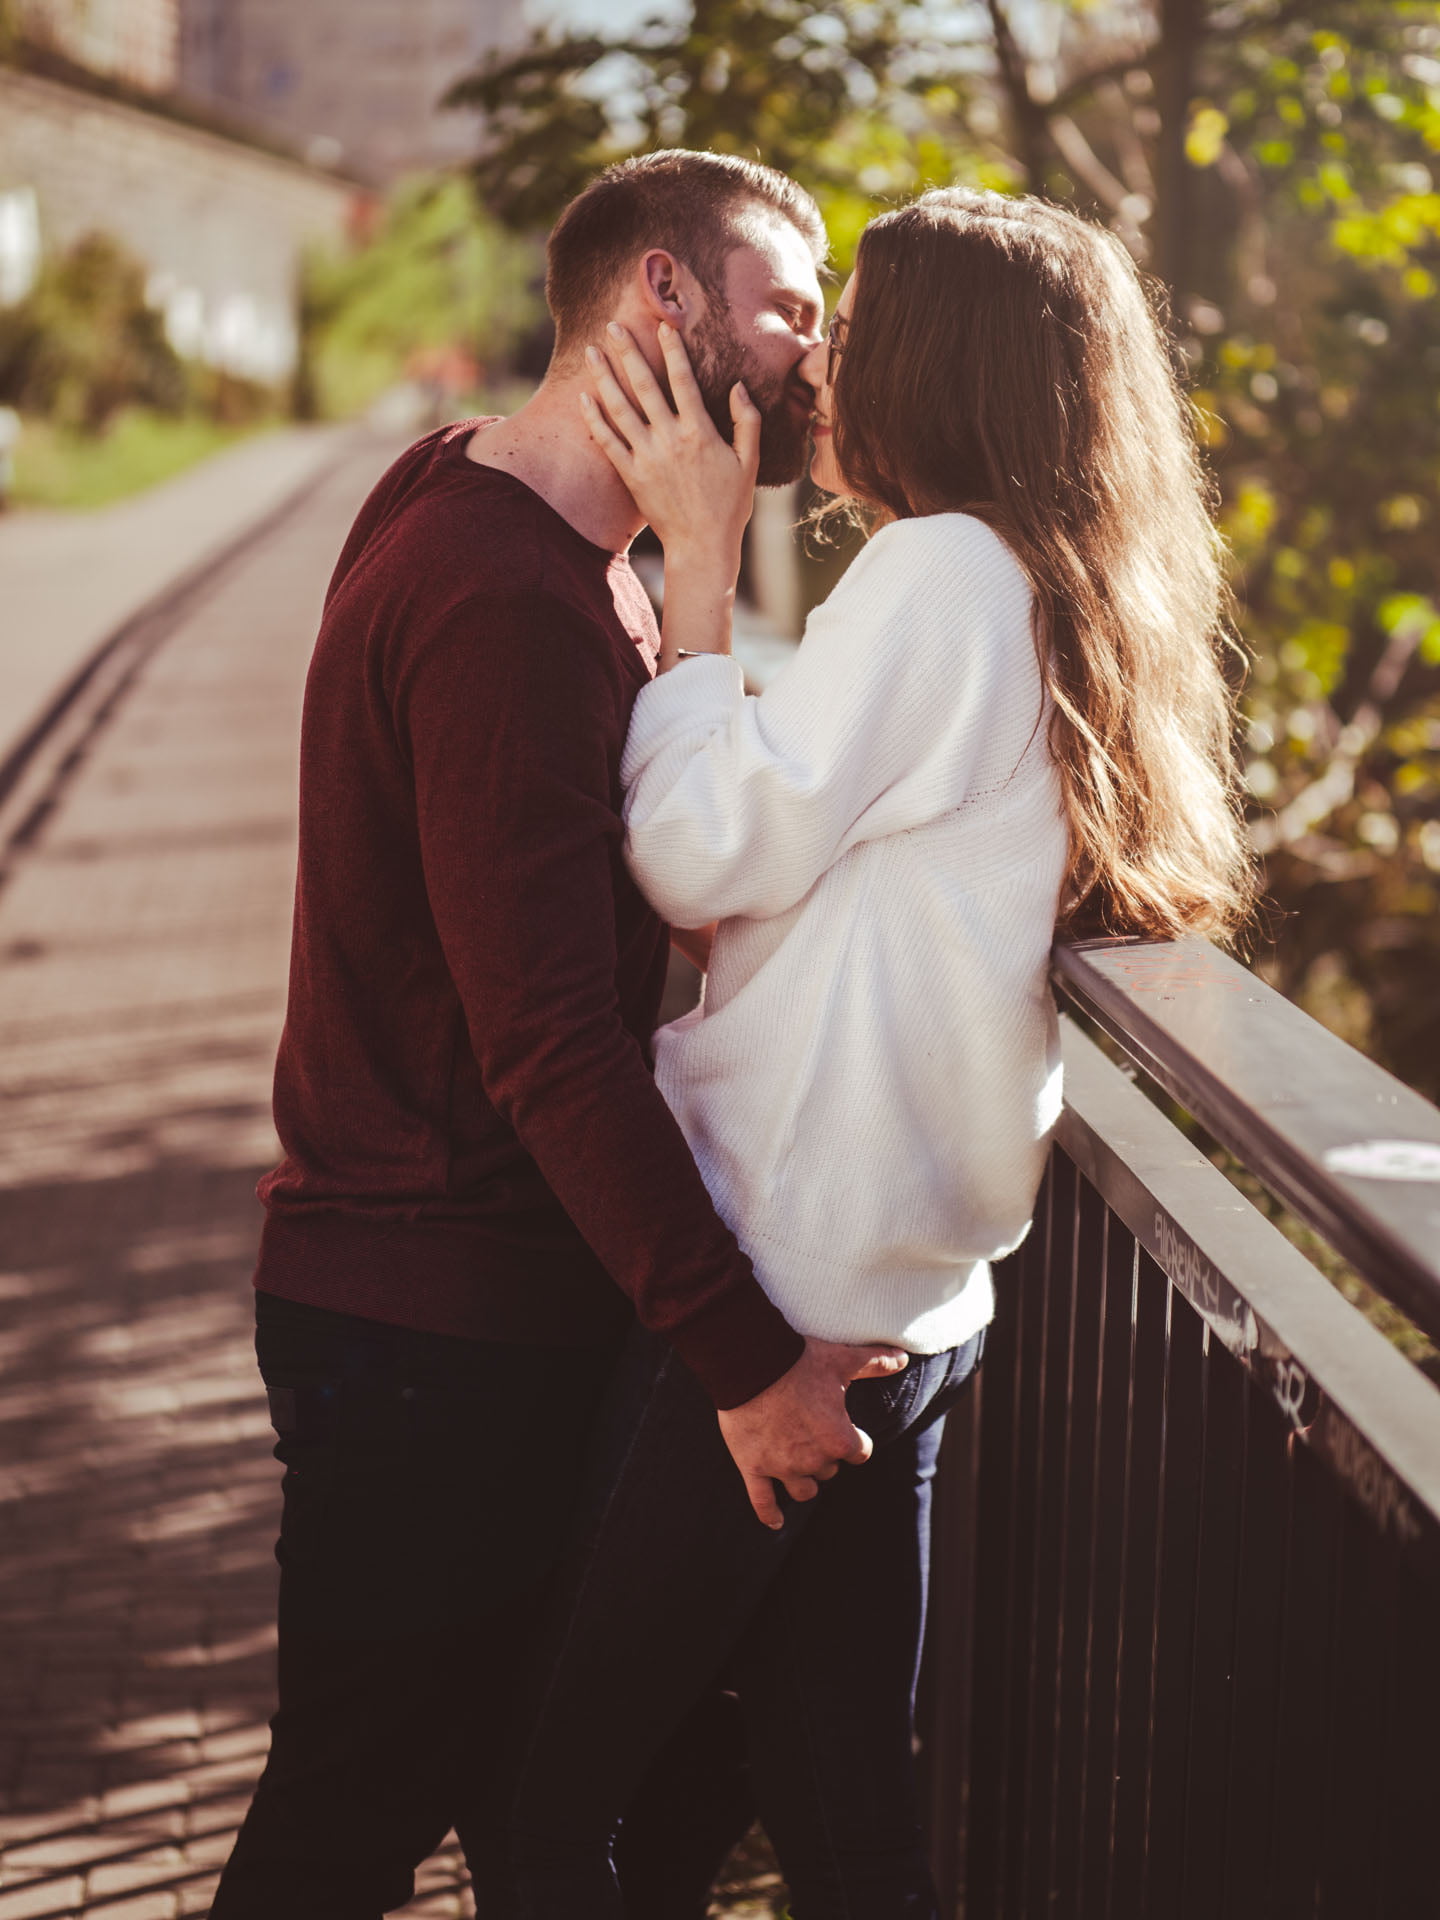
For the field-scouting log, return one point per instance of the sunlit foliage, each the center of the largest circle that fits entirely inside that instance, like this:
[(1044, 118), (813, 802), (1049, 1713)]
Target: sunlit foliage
[(434, 277), (1277, 168)]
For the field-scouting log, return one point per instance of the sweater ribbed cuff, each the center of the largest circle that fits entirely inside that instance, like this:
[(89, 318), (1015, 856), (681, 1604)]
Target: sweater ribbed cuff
[(738, 1346)]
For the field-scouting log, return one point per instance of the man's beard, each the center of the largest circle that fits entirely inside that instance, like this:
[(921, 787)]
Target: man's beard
[(719, 361)]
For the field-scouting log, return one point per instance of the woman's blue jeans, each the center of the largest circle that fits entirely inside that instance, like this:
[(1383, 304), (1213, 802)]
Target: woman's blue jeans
[(680, 1590)]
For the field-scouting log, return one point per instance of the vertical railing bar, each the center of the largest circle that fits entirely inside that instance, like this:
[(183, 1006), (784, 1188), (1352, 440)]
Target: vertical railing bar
[(1283, 1649), (1032, 1667), (1329, 1696), (1066, 1507), (1095, 1488), (1354, 1574), (997, 1488), (1259, 1657), (1169, 1735), (1330, 1770), (1008, 1728), (1205, 1377), (1124, 1569), (1155, 1614), (1243, 1517), (1390, 1641), (1317, 1886), (1007, 1720)]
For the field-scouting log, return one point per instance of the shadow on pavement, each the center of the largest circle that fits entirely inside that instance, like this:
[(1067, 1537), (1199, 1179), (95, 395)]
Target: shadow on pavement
[(142, 966)]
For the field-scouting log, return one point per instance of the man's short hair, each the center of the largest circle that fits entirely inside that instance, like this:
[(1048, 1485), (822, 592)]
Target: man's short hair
[(693, 205)]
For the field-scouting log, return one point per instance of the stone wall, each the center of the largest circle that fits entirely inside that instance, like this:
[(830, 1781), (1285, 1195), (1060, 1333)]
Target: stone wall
[(221, 226)]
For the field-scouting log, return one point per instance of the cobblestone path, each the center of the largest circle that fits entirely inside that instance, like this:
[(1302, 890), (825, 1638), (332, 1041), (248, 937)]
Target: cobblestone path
[(143, 938)]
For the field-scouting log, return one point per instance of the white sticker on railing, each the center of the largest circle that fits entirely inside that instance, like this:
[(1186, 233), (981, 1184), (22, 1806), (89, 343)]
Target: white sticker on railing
[(1386, 1159)]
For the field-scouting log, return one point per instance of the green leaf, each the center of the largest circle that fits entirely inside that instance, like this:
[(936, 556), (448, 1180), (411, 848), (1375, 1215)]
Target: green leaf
[(1417, 613)]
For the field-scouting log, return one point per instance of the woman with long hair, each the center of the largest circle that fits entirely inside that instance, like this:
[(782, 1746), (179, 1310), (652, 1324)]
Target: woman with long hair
[(1009, 718)]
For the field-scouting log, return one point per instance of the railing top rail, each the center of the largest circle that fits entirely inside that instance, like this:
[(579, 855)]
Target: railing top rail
[(1347, 1395), (1345, 1145)]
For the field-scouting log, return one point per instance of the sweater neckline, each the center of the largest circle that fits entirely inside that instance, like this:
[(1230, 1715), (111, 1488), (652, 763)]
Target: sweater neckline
[(455, 443)]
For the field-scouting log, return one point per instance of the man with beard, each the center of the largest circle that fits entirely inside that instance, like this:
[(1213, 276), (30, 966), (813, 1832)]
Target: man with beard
[(481, 1182)]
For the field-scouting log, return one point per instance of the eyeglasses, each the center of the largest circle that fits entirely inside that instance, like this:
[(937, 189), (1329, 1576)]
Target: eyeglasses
[(834, 345)]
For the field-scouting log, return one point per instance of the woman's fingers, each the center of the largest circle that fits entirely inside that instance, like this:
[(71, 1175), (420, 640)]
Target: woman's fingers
[(613, 397), (746, 415), (689, 403), (637, 371), (649, 406), (605, 436)]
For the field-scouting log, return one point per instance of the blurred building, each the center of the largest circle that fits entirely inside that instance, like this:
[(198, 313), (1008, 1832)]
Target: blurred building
[(219, 139), (347, 83), (136, 42), (92, 140)]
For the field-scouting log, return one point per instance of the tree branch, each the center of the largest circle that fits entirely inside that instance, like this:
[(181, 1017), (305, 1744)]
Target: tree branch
[(1083, 85), (1330, 790), (1083, 161), (1029, 116), (1134, 164)]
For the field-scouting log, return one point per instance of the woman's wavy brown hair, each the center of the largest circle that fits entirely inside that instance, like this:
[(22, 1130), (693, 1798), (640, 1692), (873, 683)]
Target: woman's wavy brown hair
[(1002, 360)]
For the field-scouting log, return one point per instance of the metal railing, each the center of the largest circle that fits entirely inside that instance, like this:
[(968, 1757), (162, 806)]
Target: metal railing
[(1185, 1653)]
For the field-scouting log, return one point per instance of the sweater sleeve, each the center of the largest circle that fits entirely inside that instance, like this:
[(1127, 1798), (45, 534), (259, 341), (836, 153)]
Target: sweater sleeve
[(737, 804), (503, 711)]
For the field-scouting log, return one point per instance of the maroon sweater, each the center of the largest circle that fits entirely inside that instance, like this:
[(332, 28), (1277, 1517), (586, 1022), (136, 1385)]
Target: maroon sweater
[(473, 1140)]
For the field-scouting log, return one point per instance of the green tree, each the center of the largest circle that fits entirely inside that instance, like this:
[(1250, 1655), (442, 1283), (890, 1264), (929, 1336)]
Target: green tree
[(848, 96), (85, 342), (1274, 167), (435, 275)]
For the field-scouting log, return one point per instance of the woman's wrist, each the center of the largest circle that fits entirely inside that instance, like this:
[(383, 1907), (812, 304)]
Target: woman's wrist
[(713, 643), (699, 604), (702, 567)]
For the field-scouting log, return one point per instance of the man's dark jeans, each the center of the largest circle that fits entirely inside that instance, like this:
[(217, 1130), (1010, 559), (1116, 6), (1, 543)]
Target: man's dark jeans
[(818, 1627), (429, 1490)]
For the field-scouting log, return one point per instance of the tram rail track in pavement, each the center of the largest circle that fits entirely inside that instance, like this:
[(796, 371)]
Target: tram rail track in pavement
[(147, 838), (36, 771)]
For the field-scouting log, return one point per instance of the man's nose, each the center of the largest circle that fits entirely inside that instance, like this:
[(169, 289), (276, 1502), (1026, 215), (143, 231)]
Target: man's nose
[(812, 367)]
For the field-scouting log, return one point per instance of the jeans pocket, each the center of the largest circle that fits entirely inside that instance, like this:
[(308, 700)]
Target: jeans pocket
[(883, 1408), (959, 1369)]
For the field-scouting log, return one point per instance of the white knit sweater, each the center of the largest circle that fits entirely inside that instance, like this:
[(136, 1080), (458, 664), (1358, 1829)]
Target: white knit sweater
[(868, 1083)]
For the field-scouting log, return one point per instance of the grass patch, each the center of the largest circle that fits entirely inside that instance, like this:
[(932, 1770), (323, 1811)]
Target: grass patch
[(58, 468)]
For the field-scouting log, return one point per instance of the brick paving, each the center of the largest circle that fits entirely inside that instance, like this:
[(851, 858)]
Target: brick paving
[(143, 941)]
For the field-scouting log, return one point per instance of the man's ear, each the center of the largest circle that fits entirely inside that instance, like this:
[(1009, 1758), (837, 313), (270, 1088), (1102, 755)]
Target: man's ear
[(667, 287)]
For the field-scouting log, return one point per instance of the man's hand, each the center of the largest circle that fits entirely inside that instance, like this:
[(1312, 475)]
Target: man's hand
[(797, 1431)]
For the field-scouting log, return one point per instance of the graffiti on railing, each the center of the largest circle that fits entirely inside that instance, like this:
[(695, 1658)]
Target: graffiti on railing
[(1207, 1290), (1298, 1396), (1291, 1386), (1373, 1484)]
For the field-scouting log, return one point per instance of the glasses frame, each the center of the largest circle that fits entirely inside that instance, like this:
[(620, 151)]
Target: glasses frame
[(834, 345)]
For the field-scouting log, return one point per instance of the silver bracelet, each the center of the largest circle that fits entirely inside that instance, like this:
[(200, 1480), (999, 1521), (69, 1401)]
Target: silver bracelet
[(684, 653)]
